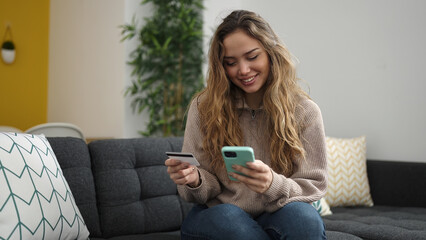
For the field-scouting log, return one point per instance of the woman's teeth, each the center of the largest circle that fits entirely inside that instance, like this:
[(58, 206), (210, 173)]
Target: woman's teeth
[(248, 80)]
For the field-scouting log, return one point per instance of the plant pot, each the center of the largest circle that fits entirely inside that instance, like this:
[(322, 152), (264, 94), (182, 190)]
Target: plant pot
[(8, 55)]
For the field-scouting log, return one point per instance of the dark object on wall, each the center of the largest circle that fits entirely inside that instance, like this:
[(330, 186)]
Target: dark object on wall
[(8, 48)]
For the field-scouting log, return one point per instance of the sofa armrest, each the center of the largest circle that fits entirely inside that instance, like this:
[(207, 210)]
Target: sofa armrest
[(397, 183)]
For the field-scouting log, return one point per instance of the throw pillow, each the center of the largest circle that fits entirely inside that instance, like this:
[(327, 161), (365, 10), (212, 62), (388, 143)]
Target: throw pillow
[(347, 172), (35, 199), (322, 207)]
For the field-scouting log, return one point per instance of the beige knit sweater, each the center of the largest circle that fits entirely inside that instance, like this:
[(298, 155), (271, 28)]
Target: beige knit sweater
[(308, 182)]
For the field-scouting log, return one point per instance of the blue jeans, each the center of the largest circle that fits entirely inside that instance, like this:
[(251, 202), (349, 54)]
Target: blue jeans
[(295, 220)]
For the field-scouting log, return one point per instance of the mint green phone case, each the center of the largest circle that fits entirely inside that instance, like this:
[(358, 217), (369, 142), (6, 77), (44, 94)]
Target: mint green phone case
[(237, 155)]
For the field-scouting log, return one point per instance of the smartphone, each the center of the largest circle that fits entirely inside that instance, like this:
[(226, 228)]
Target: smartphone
[(183, 157), (237, 155)]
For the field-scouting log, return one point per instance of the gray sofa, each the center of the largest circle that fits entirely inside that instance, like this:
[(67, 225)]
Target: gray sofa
[(123, 192)]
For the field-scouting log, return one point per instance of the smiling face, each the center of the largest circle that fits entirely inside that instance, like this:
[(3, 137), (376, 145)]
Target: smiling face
[(247, 65)]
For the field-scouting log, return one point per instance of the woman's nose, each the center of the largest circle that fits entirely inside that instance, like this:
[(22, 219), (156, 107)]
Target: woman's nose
[(244, 68)]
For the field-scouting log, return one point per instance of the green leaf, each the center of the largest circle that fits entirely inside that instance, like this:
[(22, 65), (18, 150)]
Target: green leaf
[(166, 44)]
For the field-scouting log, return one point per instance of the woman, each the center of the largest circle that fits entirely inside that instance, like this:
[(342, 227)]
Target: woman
[(252, 99)]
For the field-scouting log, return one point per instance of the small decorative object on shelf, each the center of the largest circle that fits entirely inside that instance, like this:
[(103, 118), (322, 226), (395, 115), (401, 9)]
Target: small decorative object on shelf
[(8, 48)]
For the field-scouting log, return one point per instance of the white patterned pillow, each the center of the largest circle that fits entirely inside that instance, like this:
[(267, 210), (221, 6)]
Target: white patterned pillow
[(347, 172), (322, 207), (35, 199)]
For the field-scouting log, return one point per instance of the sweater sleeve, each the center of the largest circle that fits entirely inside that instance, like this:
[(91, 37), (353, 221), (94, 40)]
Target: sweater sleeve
[(308, 182), (193, 143)]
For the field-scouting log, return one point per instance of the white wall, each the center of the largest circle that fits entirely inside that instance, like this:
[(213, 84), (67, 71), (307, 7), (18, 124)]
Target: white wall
[(364, 62), (133, 122), (362, 59), (86, 66)]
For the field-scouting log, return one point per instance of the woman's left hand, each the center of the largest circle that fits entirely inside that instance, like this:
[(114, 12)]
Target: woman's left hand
[(259, 175)]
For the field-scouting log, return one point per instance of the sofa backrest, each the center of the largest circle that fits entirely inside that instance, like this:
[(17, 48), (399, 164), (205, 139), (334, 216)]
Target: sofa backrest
[(397, 183), (73, 156), (134, 192)]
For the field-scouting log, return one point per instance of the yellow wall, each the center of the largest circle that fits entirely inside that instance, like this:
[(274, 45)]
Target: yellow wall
[(23, 84)]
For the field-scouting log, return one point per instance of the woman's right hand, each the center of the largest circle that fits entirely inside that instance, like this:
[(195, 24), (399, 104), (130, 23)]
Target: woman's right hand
[(182, 173)]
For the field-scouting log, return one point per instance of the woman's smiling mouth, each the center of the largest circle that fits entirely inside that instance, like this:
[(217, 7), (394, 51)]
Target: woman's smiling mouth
[(248, 80)]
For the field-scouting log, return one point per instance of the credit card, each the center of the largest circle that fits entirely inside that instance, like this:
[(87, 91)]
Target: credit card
[(184, 157)]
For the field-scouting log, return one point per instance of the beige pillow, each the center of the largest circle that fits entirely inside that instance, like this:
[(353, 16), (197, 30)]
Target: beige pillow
[(347, 172)]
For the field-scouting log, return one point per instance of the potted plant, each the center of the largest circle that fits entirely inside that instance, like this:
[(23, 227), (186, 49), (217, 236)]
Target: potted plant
[(167, 64), (8, 52)]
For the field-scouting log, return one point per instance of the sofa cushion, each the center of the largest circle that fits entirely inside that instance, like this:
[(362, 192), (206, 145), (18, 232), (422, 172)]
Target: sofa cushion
[(35, 201), (347, 172), (74, 158), (378, 222), (135, 193)]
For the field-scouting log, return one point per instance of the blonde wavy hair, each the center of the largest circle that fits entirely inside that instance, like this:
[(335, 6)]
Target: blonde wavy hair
[(219, 117)]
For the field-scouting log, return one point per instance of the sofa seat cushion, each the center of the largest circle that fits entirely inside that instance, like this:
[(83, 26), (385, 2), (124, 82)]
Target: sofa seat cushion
[(378, 222), (135, 193)]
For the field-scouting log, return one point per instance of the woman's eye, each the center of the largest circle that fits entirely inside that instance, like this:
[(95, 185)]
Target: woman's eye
[(230, 63), (253, 58)]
